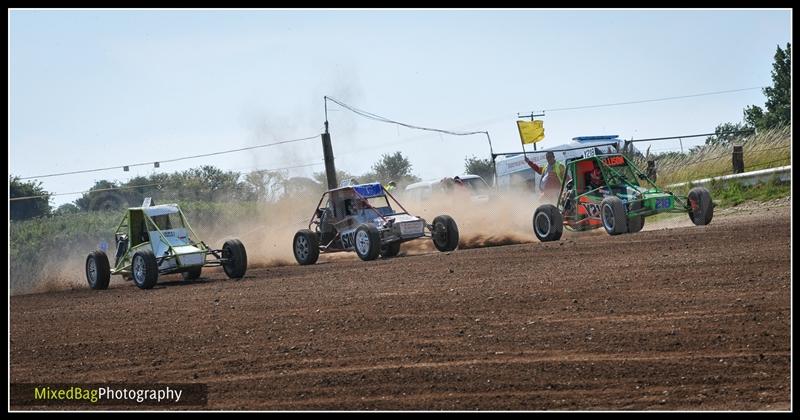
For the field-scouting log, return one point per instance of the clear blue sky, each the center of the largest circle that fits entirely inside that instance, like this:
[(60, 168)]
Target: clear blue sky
[(92, 89)]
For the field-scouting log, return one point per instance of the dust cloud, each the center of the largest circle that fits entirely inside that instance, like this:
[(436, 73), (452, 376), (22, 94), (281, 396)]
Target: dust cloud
[(502, 218), (267, 231), (267, 234)]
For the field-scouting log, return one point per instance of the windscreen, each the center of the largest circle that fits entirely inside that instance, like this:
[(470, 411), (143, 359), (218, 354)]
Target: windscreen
[(168, 221), (379, 202), (618, 172)]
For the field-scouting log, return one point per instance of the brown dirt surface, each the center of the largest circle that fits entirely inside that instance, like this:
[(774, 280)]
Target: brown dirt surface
[(677, 318)]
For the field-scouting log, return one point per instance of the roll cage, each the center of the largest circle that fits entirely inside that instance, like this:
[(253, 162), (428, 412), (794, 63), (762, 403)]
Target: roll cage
[(613, 180), (340, 195), (335, 211), (135, 228)]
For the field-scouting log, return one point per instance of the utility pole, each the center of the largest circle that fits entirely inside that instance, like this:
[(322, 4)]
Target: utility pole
[(491, 152), (327, 153)]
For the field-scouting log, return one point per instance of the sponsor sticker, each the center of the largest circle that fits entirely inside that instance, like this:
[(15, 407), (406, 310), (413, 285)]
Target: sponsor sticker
[(411, 228)]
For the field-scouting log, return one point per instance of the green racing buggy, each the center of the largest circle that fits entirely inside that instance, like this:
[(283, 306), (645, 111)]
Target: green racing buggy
[(157, 239), (619, 203)]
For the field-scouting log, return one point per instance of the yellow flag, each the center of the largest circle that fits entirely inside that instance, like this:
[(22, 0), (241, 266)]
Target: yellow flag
[(531, 131)]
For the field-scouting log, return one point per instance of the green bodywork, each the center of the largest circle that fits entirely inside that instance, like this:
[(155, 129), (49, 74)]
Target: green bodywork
[(640, 195)]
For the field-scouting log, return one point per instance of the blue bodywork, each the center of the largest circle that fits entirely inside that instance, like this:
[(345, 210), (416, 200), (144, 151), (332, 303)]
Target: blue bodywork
[(369, 190)]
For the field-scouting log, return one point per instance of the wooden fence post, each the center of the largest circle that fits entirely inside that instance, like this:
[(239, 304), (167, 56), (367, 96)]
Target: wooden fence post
[(738, 159), (651, 170)]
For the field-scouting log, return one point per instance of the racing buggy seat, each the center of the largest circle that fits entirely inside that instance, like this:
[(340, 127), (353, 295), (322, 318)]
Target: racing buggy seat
[(581, 170)]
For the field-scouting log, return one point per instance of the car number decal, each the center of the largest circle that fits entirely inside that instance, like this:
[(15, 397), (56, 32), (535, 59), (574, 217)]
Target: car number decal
[(347, 239), (615, 161), (662, 203), (593, 209)]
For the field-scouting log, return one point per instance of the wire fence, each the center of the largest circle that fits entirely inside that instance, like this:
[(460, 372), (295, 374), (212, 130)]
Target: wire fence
[(767, 149)]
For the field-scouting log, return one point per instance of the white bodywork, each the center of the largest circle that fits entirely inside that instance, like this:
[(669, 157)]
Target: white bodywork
[(179, 240), (409, 225), (160, 210)]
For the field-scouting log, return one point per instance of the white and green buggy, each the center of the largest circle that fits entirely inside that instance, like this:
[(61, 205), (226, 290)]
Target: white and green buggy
[(157, 239)]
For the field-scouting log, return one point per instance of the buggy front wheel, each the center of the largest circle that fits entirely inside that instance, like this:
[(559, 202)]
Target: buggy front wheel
[(98, 273), (236, 259), (701, 208), (612, 212), (548, 223), (367, 242), (444, 233), (145, 269)]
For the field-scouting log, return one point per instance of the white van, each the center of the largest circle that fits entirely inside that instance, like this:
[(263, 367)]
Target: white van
[(514, 172)]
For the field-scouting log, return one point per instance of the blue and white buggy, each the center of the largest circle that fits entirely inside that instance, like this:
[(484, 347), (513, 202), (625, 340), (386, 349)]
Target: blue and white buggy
[(359, 218)]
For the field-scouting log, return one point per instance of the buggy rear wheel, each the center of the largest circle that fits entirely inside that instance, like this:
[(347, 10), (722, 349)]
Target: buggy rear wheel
[(367, 242), (193, 273), (635, 224), (612, 212), (548, 223), (444, 233), (390, 250), (98, 273), (236, 256), (306, 247)]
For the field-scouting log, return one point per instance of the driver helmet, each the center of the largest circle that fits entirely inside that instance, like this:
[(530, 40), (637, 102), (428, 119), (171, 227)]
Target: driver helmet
[(596, 176)]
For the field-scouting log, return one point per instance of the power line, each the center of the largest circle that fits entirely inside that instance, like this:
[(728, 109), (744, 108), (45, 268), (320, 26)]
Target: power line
[(83, 192), (149, 185), (171, 160), (280, 169), (376, 117), (653, 100)]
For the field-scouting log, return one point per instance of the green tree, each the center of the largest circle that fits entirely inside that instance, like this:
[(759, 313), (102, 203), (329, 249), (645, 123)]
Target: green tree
[(341, 175), (302, 186), (266, 185), (724, 135), (393, 167), (481, 167), (779, 95), (31, 207), (778, 105), (210, 184), (206, 183), (104, 195), (67, 208), (137, 188)]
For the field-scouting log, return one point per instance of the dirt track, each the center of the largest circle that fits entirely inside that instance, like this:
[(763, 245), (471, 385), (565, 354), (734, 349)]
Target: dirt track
[(690, 318)]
